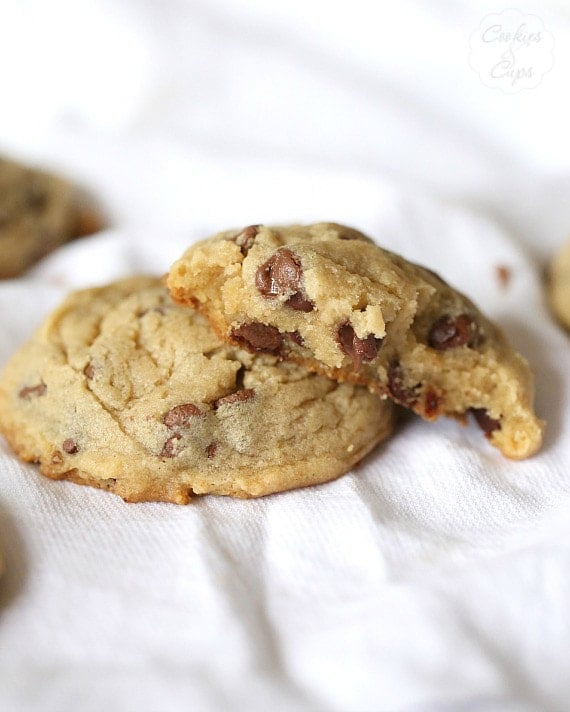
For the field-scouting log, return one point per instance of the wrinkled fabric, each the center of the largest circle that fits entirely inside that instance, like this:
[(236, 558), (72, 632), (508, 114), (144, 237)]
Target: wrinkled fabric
[(436, 575)]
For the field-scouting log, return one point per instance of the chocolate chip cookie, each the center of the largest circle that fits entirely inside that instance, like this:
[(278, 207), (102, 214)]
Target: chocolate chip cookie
[(123, 390), (328, 297), (558, 286), (38, 213)]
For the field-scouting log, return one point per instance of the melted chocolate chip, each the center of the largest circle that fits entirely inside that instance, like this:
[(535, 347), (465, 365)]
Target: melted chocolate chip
[(238, 397), (449, 332), (399, 392), (281, 276), (89, 371), (431, 403), (359, 350), (299, 302), (36, 198), (487, 424), (169, 447), (33, 391), (70, 446), (211, 450), (245, 239), (180, 415), (256, 336), (296, 338), (88, 221)]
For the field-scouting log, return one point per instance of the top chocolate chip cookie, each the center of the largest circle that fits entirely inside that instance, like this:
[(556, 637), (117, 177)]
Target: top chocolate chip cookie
[(38, 212), (327, 296)]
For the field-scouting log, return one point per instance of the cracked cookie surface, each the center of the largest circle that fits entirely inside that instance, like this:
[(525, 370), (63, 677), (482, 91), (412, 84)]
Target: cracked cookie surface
[(123, 390), (328, 297), (38, 213)]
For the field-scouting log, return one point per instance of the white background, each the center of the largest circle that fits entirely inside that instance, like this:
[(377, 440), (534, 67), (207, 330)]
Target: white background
[(437, 575)]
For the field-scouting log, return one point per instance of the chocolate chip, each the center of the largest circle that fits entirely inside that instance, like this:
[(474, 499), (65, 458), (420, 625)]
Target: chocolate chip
[(238, 397), (89, 371), (256, 336), (399, 392), (180, 415), (296, 338), (33, 391), (449, 332), (70, 446), (281, 276), (299, 302), (487, 424), (36, 198), (358, 349), (431, 403), (211, 450), (169, 447), (87, 222), (246, 238)]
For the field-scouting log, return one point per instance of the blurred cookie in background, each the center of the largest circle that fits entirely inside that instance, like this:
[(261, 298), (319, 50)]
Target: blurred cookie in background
[(38, 213), (558, 285)]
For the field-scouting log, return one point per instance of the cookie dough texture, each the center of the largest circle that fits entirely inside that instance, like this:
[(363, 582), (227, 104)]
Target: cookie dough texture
[(559, 285), (123, 390), (328, 297), (38, 213)]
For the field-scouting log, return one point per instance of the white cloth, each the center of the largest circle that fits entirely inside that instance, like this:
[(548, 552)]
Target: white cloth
[(436, 575)]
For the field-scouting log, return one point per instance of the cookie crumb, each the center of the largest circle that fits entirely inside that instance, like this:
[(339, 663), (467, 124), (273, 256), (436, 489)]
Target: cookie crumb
[(504, 275)]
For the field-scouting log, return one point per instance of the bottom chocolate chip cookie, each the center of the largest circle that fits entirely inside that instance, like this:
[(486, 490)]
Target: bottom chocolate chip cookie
[(121, 389)]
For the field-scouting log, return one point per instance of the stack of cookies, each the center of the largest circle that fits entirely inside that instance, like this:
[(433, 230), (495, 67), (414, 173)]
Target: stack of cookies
[(274, 358)]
